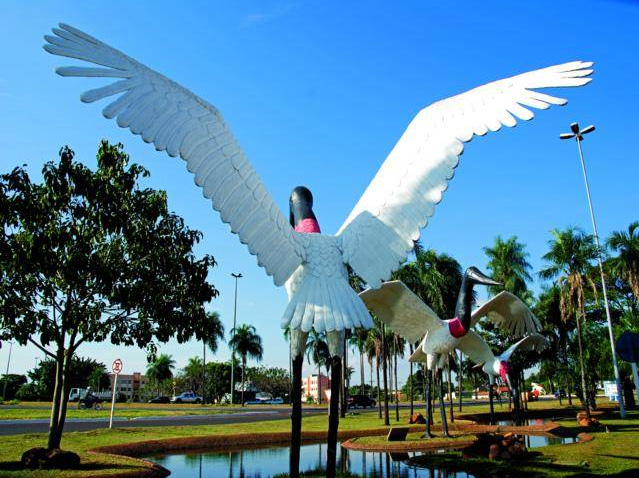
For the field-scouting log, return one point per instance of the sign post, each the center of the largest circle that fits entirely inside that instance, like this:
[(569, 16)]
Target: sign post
[(117, 368), (628, 350)]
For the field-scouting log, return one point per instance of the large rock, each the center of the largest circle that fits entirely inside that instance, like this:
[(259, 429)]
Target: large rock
[(53, 459)]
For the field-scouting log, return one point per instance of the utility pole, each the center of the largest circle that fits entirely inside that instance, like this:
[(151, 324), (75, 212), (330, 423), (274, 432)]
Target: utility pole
[(236, 276), (579, 136)]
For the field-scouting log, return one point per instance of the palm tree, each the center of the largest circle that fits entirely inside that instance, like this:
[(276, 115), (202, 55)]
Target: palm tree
[(358, 340), (508, 264), (626, 264), (570, 259), (317, 350), (213, 332), (247, 343), (160, 369), (373, 348)]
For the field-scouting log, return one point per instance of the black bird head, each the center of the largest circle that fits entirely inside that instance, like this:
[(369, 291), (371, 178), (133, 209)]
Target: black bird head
[(301, 206), (475, 276), (472, 277)]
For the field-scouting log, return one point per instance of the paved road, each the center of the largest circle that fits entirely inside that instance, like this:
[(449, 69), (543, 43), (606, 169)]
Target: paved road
[(15, 427)]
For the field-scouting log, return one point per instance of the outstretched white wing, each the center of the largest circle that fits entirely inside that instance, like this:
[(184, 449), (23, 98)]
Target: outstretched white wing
[(401, 310), (475, 348), (509, 313), (531, 342), (181, 123), (386, 221)]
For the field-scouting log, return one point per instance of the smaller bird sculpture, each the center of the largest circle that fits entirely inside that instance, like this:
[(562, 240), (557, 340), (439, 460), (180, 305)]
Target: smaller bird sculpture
[(408, 316), (478, 351)]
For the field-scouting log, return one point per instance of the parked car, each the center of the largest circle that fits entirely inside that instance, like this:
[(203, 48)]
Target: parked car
[(160, 399), (186, 397), (360, 401)]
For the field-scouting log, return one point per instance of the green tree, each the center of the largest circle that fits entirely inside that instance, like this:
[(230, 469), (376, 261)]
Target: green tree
[(82, 373), (10, 384), (88, 256), (160, 370), (192, 374), (272, 380), (508, 264), (214, 332), (317, 351), (570, 260), (247, 343), (626, 264)]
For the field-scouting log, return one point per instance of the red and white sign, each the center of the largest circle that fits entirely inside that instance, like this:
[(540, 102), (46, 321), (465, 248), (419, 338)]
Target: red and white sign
[(117, 366)]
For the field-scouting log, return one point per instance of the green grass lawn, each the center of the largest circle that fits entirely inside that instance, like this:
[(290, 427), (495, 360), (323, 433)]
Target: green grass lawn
[(612, 452)]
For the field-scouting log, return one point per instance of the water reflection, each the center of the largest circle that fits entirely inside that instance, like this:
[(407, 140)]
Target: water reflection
[(534, 441), (266, 462)]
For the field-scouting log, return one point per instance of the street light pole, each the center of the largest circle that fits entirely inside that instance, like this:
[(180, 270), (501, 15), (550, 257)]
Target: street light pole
[(579, 136), (236, 276)]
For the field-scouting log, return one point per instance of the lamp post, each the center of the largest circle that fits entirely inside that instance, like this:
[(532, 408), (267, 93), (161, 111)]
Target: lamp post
[(579, 136), (236, 276)]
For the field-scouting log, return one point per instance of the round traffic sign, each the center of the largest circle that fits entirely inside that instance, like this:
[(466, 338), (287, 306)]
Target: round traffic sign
[(117, 366)]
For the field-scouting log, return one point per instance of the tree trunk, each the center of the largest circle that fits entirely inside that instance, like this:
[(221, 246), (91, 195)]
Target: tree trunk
[(343, 388), (460, 376), (56, 405), (395, 374), (319, 385), (450, 394), (410, 382), (385, 373), (379, 400), (66, 388), (243, 384), (333, 417), (296, 417), (361, 371), (203, 373), (584, 389)]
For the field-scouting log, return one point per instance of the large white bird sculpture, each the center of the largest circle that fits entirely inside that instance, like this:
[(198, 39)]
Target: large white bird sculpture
[(407, 315), (379, 232)]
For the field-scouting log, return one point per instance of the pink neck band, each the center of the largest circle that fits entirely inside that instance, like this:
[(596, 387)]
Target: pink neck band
[(308, 226), (504, 368), (456, 328)]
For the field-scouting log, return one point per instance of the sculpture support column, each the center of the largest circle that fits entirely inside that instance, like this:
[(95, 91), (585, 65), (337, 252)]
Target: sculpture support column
[(336, 349), (428, 379), (442, 405), (298, 343)]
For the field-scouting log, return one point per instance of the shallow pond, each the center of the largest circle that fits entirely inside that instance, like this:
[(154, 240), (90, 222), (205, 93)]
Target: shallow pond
[(266, 462)]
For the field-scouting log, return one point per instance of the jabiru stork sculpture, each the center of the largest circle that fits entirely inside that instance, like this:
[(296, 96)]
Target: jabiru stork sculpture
[(407, 315), (378, 234)]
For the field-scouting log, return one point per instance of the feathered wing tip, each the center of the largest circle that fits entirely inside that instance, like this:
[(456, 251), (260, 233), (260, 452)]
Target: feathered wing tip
[(325, 306)]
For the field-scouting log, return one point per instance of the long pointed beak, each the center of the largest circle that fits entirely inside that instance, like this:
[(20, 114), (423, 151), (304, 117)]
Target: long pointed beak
[(480, 278)]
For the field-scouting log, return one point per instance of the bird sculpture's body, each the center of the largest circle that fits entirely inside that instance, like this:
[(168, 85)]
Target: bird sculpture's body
[(381, 229), (407, 315)]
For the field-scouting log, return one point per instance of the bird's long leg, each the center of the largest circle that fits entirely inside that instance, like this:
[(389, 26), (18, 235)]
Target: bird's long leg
[(490, 399), (298, 342), (336, 349), (427, 378), (442, 406), (515, 393)]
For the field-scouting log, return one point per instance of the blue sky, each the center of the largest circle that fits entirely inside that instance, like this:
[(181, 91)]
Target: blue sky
[(318, 93)]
